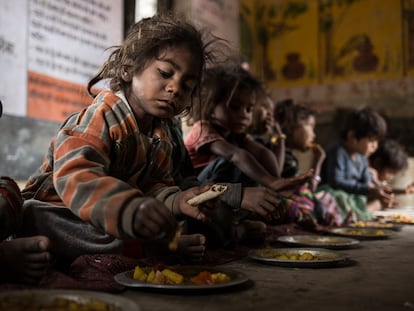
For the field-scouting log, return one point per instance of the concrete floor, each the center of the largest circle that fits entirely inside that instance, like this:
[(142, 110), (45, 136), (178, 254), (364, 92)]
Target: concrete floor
[(381, 278)]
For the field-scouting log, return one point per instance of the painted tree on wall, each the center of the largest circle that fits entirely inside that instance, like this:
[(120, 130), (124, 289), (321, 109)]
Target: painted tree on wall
[(270, 20), (408, 17), (327, 24)]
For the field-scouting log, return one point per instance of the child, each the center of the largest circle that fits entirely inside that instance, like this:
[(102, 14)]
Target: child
[(233, 207), (107, 177), (345, 172), (266, 130), (218, 145), (297, 122), (387, 161), (22, 259)]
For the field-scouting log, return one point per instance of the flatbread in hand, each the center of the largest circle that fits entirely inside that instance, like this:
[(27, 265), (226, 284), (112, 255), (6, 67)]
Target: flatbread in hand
[(212, 193)]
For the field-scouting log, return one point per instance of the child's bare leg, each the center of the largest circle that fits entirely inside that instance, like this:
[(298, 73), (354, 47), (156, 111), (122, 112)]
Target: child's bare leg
[(24, 259), (192, 247)]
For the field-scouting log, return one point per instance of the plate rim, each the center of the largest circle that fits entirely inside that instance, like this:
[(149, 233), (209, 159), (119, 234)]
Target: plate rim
[(241, 278), (388, 233), (299, 263), (351, 241), (124, 303)]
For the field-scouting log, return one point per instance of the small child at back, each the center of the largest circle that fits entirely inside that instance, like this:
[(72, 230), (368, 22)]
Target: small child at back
[(297, 123), (385, 163), (345, 172), (266, 130)]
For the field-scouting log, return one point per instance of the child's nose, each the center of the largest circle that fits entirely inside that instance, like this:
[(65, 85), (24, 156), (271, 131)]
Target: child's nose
[(173, 88)]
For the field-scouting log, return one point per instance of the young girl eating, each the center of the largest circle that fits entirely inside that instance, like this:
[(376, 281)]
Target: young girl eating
[(106, 178)]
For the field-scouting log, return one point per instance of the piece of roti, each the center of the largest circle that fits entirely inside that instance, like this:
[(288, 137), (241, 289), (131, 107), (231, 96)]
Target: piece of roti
[(212, 193), (173, 244)]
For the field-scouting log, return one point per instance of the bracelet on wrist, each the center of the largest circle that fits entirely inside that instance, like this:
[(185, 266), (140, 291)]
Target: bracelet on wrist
[(317, 178)]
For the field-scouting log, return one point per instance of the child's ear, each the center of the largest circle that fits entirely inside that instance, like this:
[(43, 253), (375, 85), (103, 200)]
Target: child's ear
[(126, 76), (350, 136)]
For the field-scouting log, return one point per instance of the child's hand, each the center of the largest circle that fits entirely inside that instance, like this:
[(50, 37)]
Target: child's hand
[(153, 219), (386, 198), (319, 153), (180, 205), (291, 183), (260, 200), (410, 188)]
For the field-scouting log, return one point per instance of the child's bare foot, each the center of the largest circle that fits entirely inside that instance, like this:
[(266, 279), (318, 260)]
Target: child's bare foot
[(191, 247), (24, 259), (251, 231)]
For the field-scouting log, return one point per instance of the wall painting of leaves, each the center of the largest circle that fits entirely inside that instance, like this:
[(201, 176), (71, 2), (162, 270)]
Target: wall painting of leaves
[(408, 31), (282, 36), (360, 39)]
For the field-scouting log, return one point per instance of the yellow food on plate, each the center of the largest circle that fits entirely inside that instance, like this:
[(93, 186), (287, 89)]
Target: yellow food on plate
[(364, 233), (172, 276), (140, 274), (402, 218), (300, 256), (166, 276), (370, 224)]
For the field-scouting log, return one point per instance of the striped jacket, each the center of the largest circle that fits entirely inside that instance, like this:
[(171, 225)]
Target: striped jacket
[(101, 166)]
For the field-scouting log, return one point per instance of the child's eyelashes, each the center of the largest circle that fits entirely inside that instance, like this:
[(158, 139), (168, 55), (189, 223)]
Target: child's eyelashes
[(187, 85), (165, 74)]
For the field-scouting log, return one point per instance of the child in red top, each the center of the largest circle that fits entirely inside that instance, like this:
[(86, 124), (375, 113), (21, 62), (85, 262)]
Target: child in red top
[(218, 143)]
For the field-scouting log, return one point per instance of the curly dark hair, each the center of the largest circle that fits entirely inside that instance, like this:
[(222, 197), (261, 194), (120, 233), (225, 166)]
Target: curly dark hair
[(289, 114), (145, 41), (365, 123), (219, 85), (391, 155)]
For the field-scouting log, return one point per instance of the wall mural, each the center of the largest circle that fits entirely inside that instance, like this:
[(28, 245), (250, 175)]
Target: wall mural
[(307, 42), (408, 22), (357, 43)]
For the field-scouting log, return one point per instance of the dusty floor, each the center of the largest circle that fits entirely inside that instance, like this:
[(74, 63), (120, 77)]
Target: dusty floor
[(381, 278)]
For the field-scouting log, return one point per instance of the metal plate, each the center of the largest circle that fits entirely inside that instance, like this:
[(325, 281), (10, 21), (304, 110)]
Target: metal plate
[(319, 241), (236, 278), (403, 216), (362, 233), (45, 300), (401, 219), (376, 225), (326, 258)]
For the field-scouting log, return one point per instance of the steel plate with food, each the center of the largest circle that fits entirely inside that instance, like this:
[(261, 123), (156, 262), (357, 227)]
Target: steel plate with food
[(298, 257), (181, 278), (362, 233), (401, 219), (62, 300), (322, 241), (375, 225)]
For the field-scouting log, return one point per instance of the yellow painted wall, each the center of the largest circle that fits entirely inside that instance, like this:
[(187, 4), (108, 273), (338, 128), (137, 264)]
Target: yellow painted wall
[(328, 41)]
